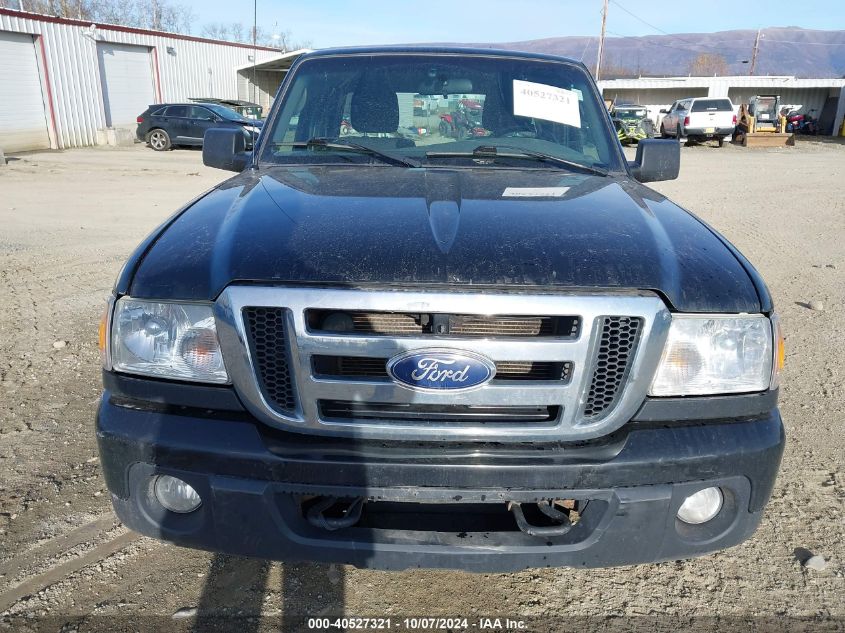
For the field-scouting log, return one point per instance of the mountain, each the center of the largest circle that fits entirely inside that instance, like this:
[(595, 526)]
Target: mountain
[(783, 51)]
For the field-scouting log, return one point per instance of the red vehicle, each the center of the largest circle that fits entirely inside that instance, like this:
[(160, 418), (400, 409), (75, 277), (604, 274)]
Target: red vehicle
[(799, 122), (464, 121)]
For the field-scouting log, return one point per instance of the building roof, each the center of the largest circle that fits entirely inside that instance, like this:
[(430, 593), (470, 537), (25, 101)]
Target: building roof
[(280, 62), (768, 81), (40, 17)]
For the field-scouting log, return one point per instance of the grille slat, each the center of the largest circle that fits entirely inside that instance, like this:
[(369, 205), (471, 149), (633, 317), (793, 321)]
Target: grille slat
[(362, 367), (342, 410), (616, 346), (269, 349), (407, 324)]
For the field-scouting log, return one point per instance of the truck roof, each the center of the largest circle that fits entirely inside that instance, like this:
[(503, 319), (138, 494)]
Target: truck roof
[(437, 50)]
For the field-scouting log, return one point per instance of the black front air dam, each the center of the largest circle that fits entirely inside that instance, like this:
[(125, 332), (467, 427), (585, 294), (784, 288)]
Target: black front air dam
[(251, 494)]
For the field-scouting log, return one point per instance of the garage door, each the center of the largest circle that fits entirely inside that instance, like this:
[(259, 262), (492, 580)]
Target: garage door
[(23, 124), (127, 77)]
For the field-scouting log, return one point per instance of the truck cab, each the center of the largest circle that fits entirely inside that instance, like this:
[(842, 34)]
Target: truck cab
[(394, 349)]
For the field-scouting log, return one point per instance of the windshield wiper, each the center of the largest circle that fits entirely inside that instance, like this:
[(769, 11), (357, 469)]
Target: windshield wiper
[(492, 151), (341, 144)]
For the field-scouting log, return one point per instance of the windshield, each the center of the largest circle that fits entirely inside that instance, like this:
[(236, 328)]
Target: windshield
[(438, 109), (224, 112), (632, 114)]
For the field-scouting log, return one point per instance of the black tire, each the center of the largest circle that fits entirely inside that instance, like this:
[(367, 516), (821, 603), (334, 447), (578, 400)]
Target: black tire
[(663, 132), (721, 141), (159, 140)]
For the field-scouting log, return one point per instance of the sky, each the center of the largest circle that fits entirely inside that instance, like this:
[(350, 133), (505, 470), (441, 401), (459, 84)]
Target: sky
[(360, 22)]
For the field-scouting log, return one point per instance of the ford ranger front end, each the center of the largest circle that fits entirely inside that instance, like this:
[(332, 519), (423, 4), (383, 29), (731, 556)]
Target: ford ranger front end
[(394, 349)]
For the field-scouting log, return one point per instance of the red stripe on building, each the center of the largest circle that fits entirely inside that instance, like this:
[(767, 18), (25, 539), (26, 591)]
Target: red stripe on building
[(49, 89), (158, 75)]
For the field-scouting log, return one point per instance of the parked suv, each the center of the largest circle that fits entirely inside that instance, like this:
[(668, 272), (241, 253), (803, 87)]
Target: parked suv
[(699, 120), (483, 353), (166, 125)]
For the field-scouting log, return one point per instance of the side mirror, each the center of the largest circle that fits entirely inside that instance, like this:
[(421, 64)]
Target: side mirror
[(664, 111), (225, 148), (657, 159)]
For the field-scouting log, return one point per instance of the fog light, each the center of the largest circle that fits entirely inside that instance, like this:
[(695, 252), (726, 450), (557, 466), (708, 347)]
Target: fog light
[(701, 506), (176, 495)]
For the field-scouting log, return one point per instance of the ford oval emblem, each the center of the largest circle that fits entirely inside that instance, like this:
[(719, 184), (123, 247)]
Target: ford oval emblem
[(441, 370)]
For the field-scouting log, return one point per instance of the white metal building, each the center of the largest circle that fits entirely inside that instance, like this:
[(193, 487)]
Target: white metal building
[(825, 96), (259, 82), (62, 81)]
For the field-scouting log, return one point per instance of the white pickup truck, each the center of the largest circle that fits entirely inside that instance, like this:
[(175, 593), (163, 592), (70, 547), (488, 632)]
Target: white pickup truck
[(699, 120)]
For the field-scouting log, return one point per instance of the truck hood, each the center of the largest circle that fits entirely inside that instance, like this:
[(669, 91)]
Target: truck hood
[(359, 225)]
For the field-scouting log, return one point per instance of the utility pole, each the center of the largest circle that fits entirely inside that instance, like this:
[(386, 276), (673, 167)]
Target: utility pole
[(601, 39), (754, 55), (254, 47)]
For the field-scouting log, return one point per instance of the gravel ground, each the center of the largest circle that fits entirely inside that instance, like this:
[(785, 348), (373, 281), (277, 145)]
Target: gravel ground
[(70, 219)]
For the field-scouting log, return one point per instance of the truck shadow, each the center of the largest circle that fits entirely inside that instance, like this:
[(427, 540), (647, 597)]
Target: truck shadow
[(247, 595)]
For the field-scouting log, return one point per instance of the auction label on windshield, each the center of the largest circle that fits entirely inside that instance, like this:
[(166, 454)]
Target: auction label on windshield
[(549, 103)]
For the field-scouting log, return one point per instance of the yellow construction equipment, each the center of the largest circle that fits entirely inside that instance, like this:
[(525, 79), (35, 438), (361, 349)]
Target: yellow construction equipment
[(761, 124)]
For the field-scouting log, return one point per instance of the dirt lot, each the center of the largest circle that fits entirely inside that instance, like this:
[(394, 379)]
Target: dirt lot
[(67, 222)]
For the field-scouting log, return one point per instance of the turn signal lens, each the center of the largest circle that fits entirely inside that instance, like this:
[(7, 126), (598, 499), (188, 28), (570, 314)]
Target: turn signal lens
[(780, 352), (103, 335)]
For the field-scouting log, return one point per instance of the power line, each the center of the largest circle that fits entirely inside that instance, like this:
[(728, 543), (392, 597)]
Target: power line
[(584, 52), (770, 41), (643, 39), (659, 30)]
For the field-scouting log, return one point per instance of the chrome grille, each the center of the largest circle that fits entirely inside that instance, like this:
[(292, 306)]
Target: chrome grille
[(545, 388)]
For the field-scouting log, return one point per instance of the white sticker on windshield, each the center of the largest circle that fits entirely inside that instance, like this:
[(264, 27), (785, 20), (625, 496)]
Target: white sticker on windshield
[(549, 103), (534, 192)]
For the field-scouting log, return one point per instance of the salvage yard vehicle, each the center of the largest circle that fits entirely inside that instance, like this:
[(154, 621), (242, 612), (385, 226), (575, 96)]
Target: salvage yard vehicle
[(165, 125), (699, 120), (481, 353), (631, 122), (247, 109)]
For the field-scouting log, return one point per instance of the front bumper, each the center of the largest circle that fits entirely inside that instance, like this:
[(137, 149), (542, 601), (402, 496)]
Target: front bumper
[(252, 480)]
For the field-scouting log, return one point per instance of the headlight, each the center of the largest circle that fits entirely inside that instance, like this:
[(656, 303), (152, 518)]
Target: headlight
[(168, 340), (715, 354)]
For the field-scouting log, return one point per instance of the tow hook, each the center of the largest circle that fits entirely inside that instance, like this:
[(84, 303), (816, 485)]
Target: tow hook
[(550, 511), (349, 515)]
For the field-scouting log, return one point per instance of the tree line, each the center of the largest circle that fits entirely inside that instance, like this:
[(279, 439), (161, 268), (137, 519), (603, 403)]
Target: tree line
[(702, 65), (156, 15)]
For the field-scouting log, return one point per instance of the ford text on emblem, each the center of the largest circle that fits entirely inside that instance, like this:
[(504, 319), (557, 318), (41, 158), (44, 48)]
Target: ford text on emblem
[(440, 370)]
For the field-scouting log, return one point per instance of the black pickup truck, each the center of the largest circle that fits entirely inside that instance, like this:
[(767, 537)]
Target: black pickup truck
[(488, 350)]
